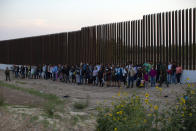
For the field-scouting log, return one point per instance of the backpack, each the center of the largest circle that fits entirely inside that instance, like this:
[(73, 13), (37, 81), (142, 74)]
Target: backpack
[(138, 82)]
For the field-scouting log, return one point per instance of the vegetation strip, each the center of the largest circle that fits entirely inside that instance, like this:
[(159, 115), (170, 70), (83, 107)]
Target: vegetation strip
[(49, 97)]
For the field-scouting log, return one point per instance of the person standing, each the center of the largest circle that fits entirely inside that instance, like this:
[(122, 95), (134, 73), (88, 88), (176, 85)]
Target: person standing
[(178, 73), (146, 79), (163, 75), (173, 73), (7, 74), (169, 73), (153, 74), (131, 74)]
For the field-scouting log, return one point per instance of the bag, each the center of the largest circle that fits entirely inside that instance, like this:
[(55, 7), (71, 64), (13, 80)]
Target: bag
[(138, 82), (169, 71)]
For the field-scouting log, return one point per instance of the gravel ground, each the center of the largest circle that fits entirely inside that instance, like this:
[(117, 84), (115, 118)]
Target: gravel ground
[(94, 95)]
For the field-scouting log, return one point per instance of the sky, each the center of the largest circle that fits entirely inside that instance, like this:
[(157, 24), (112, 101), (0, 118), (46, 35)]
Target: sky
[(24, 18)]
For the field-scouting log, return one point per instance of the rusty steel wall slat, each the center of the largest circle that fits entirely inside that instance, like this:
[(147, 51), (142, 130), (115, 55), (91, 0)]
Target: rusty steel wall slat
[(120, 37), (158, 38), (86, 45), (117, 42), (136, 40), (167, 40), (68, 48), (139, 46), (93, 51), (133, 49), (66, 44), (155, 42), (107, 44), (187, 37), (144, 39), (170, 47), (141, 41), (82, 46), (116, 47), (124, 42), (99, 44), (135, 43), (129, 42), (179, 36), (102, 50), (89, 45), (103, 53), (75, 47), (183, 40), (190, 39), (147, 38), (94, 45), (194, 38), (120, 42), (109, 47), (163, 39), (111, 43), (176, 36), (151, 38), (149, 44), (173, 37)]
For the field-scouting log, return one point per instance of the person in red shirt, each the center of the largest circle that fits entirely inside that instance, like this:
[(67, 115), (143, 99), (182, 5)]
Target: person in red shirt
[(178, 73)]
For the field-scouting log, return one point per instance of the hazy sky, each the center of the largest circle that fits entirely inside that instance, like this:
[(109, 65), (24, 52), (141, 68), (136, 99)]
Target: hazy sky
[(23, 18)]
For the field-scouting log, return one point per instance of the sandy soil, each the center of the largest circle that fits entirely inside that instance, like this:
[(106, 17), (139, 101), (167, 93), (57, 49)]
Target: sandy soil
[(81, 93)]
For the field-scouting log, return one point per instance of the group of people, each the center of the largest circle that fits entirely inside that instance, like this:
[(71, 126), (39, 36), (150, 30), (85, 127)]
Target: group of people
[(143, 75)]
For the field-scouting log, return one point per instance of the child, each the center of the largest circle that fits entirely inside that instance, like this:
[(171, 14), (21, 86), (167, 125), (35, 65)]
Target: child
[(145, 80)]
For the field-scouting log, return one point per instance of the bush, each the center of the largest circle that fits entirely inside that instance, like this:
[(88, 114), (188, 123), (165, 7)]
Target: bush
[(135, 113), (80, 105), (1, 98), (1, 101), (49, 108)]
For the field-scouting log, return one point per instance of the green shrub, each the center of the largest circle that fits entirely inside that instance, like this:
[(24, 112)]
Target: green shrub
[(1, 101), (49, 108), (80, 105), (137, 114), (1, 98)]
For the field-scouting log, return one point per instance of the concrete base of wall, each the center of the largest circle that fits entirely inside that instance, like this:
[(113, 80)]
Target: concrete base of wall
[(191, 74)]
